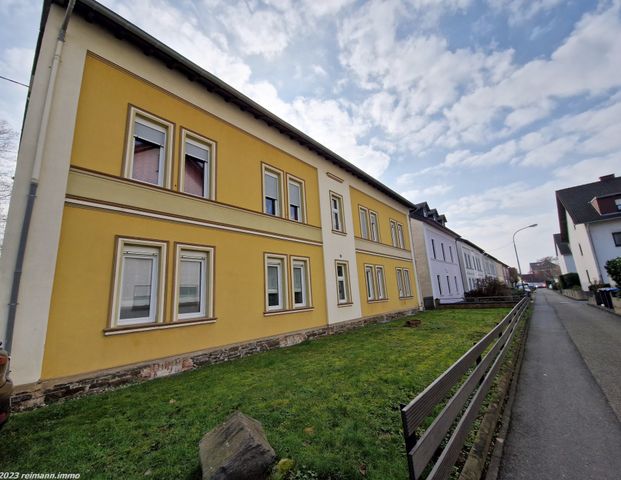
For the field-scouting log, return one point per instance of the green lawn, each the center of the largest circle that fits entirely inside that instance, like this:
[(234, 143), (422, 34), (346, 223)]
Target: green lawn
[(332, 405)]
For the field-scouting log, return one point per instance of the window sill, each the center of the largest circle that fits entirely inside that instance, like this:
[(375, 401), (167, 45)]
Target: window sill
[(409, 297), (271, 313), (156, 326), (339, 232), (379, 300), (345, 304)]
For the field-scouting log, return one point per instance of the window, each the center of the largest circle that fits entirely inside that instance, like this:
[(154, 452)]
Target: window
[(616, 236), (295, 189), (403, 283), (451, 254), (342, 283), (381, 284), (439, 284), (588, 276), (407, 288), (393, 233), (456, 285), (443, 252), (272, 188), (400, 282), (448, 283), (197, 166), (194, 282), (364, 222), (580, 247), (138, 294), (401, 242), (373, 225), (368, 273), (433, 247), (148, 150), (336, 206), (275, 283), (300, 282), (618, 204)]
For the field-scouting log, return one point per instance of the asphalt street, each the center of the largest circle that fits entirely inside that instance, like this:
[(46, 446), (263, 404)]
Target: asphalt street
[(565, 422)]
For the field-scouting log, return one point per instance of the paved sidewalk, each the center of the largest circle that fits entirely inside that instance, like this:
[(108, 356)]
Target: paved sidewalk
[(563, 425)]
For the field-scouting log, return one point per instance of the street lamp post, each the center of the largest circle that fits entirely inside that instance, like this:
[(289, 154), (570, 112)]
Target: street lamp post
[(515, 248)]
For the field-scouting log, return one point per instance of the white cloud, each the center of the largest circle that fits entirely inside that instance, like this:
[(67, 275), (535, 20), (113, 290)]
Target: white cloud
[(518, 11), (424, 194)]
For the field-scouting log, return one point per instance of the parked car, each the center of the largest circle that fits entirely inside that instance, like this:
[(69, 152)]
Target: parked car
[(6, 388)]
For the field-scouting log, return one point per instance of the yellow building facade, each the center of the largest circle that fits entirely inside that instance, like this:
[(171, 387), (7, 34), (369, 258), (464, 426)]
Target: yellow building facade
[(176, 217)]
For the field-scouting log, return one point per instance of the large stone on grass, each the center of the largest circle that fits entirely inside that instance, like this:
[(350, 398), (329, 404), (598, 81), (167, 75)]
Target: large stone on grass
[(236, 450)]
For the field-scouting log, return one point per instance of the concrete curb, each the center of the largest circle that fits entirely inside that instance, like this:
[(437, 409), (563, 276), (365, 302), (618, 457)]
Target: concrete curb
[(474, 467)]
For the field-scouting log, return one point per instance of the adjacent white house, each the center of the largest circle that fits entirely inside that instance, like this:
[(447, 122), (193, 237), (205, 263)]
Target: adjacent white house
[(436, 256), (471, 258), (590, 222)]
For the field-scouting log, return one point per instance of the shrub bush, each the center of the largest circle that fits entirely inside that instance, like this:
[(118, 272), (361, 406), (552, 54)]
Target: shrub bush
[(489, 287), (569, 280)]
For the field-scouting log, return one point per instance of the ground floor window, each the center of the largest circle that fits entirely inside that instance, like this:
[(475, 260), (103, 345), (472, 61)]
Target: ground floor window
[(342, 283), (138, 282), (194, 282), (300, 282)]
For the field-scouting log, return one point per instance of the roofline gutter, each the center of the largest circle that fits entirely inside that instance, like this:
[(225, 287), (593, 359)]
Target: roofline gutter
[(34, 178)]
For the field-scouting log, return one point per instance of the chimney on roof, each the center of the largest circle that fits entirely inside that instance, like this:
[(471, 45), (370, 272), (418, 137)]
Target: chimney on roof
[(605, 178)]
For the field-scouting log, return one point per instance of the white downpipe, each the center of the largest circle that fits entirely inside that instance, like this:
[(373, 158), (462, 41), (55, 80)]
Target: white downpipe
[(47, 106)]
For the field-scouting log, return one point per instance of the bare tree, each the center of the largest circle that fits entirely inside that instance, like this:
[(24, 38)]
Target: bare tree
[(7, 144)]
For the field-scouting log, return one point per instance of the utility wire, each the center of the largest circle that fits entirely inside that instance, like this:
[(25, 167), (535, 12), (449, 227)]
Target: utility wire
[(14, 81)]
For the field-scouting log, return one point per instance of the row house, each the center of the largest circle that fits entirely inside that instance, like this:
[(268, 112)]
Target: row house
[(436, 256), (159, 215)]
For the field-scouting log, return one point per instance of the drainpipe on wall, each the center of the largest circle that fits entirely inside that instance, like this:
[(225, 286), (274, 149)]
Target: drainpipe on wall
[(34, 179)]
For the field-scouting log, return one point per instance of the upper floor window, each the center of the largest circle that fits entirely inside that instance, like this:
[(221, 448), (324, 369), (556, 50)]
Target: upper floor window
[(393, 233), (373, 226), (197, 165), (272, 191), (364, 222), (618, 204), (400, 240), (616, 236), (433, 248), (336, 212), (149, 149), (295, 189), (451, 253)]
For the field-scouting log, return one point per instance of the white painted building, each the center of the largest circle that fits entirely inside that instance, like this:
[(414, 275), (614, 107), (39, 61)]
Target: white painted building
[(436, 256), (471, 261), (564, 255), (590, 223)]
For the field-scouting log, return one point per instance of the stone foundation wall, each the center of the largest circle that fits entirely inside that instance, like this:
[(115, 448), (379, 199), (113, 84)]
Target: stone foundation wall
[(575, 294), (49, 391)]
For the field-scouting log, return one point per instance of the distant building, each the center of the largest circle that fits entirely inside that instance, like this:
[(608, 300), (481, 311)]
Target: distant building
[(471, 258), (590, 222), (545, 269), (436, 257)]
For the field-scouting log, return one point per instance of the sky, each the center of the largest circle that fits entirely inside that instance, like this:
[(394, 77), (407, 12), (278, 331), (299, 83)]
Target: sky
[(482, 108)]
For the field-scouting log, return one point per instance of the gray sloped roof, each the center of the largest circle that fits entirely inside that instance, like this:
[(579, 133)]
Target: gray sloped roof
[(562, 247), (576, 200), (96, 13)]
